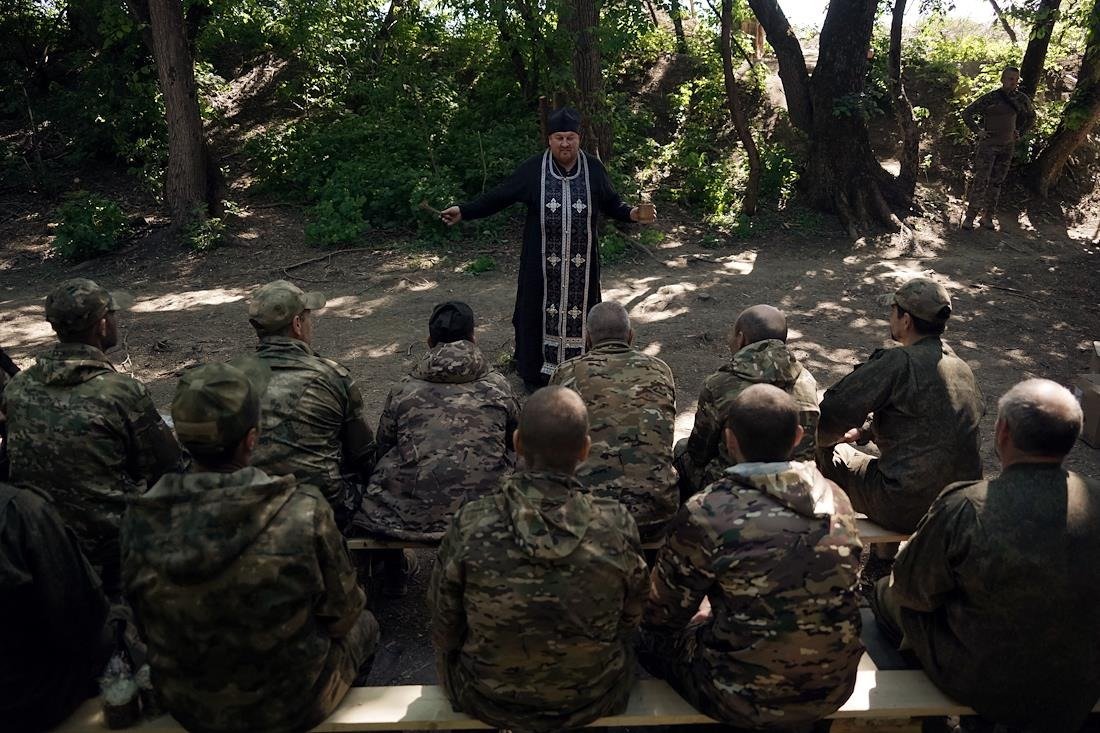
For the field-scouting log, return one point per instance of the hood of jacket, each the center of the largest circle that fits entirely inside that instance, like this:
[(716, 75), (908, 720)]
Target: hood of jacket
[(66, 365), (454, 363), (766, 362), (549, 512), (191, 526), (797, 485)]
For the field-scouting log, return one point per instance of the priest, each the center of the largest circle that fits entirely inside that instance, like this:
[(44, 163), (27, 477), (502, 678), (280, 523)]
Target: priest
[(565, 190)]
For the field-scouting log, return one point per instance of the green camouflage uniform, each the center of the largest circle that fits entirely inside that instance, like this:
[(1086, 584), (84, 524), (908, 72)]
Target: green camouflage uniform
[(243, 588), (88, 437), (774, 548), (926, 406), (535, 597), (444, 438), (313, 424), (631, 400), (763, 362), (1004, 115)]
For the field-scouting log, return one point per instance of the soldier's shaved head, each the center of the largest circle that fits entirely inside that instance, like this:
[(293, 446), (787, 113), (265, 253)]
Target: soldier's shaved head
[(760, 323), (1042, 417), (608, 321), (553, 430), (764, 420)]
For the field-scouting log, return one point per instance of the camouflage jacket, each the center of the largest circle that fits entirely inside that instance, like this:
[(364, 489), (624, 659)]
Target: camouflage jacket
[(312, 422), (240, 584), (445, 437), (88, 437), (926, 405), (1003, 114), (763, 362), (535, 597), (774, 548), (631, 399)]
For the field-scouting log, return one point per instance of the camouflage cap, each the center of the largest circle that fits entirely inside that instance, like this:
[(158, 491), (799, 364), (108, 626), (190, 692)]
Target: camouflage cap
[(217, 404), (274, 305), (75, 305), (926, 299)]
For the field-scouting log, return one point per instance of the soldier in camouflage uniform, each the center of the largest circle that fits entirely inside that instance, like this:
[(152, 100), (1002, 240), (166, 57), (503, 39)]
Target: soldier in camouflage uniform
[(240, 581), (82, 433), (926, 406), (758, 343), (996, 593), (314, 424), (538, 589), (752, 612), (1006, 116), (631, 400)]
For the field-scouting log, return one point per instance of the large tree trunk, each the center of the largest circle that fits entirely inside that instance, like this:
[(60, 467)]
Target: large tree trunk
[(1035, 57), (737, 112), (186, 186), (843, 174), (677, 14), (583, 24), (1079, 116), (792, 64), (910, 154)]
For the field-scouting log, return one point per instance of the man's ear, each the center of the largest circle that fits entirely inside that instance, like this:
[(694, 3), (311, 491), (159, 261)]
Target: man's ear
[(630, 338), (799, 433), (732, 445), (517, 442), (584, 451), (252, 439)]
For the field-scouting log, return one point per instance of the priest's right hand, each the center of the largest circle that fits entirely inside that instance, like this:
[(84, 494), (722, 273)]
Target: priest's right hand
[(451, 215)]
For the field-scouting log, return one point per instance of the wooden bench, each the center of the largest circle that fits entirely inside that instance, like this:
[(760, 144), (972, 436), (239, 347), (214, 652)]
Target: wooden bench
[(878, 694)]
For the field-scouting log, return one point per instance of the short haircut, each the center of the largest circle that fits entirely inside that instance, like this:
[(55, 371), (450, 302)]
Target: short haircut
[(921, 326), (1007, 69), (761, 323), (451, 321), (764, 419), (1042, 417), (553, 428), (608, 321)]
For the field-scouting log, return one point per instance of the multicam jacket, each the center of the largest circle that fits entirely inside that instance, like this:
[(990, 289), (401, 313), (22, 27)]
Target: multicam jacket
[(763, 362), (1003, 115), (774, 548), (631, 400), (444, 438), (241, 583), (535, 597)]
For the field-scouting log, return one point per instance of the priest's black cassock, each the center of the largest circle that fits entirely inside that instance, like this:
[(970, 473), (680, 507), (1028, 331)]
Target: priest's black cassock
[(559, 267)]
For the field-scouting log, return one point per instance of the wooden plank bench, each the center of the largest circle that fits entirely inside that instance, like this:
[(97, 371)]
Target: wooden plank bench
[(878, 694)]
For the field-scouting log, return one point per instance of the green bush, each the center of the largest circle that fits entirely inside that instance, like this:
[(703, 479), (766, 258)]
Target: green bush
[(483, 263), (89, 225), (204, 233)]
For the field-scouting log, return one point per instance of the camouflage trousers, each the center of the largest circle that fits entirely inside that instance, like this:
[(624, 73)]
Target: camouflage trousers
[(858, 474), (991, 164)]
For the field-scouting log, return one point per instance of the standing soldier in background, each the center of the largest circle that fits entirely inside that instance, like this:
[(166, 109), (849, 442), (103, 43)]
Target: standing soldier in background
[(1006, 116)]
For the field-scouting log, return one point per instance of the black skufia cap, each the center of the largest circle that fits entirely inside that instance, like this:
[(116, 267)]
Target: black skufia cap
[(451, 321), (565, 119)]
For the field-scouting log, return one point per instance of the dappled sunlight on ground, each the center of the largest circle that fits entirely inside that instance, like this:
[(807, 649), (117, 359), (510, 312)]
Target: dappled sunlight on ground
[(188, 299)]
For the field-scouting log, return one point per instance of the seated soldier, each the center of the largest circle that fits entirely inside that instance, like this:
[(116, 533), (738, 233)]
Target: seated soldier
[(758, 344), (996, 593), (752, 614), (539, 588), (313, 421), (240, 582), (631, 400), (85, 435), (444, 438), (53, 644)]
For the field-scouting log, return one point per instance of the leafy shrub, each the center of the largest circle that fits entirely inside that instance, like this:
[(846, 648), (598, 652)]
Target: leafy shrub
[(481, 264), (613, 247), (204, 233), (88, 225)]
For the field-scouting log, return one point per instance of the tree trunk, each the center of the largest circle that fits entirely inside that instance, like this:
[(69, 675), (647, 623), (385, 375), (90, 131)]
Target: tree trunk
[(1035, 57), (792, 64), (843, 174), (910, 155), (1004, 22), (1079, 116), (677, 14), (528, 82), (737, 112), (583, 24)]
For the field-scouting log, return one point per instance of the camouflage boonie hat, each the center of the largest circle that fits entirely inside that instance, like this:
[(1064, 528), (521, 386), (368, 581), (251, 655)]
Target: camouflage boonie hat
[(217, 404), (926, 299), (274, 305), (76, 304)]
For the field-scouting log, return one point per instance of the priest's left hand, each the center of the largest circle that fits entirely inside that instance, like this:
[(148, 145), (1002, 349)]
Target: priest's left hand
[(644, 213)]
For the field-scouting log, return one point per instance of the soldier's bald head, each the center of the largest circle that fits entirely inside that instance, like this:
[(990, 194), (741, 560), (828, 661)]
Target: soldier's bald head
[(764, 420), (1042, 417), (608, 321), (760, 323), (553, 430)]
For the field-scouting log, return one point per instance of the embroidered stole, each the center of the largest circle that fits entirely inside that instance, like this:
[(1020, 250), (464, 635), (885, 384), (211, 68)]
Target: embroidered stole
[(566, 228)]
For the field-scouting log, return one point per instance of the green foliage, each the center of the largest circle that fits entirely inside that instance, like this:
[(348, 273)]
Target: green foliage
[(481, 264), (88, 225), (613, 247), (204, 233)]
